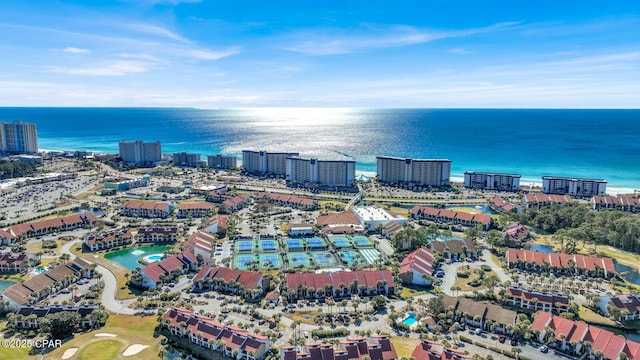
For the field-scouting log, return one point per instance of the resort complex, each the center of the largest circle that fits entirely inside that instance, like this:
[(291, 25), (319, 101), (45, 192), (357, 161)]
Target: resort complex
[(296, 258)]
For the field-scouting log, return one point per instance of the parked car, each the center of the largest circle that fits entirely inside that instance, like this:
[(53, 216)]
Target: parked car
[(478, 331), (544, 348)]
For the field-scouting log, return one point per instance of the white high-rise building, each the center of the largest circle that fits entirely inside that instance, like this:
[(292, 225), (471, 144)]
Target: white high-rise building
[(18, 137), (332, 173), (491, 181), (422, 172), (222, 162), (139, 152), (268, 163), (573, 186)]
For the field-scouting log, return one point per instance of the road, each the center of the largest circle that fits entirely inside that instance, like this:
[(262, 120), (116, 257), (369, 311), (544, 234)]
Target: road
[(110, 282)]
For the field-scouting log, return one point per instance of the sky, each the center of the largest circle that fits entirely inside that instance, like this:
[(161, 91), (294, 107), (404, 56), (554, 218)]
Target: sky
[(372, 54)]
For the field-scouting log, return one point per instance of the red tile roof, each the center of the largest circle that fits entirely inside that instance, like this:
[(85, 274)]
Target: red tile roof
[(561, 260), (368, 278), (195, 206), (420, 260), (429, 350)]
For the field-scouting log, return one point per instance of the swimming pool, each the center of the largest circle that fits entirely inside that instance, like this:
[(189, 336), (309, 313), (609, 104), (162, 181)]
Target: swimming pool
[(410, 320)]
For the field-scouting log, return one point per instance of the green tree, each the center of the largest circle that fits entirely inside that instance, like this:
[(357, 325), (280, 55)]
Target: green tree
[(61, 325)]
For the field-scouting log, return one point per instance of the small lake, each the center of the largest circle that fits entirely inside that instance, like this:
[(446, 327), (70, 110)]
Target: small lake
[(129, 257), (547, 249), (632, 273), (5, 284)]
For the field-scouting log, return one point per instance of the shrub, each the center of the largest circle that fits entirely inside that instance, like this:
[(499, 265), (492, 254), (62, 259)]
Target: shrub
[(463, 274), (486, 268), (330, 333)]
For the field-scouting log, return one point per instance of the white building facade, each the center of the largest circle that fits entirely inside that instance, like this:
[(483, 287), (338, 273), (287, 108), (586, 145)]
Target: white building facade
[(18, 137), (268, 163), (140, 152), (332, 173), (491, 181), (421, 172), (573, 186)]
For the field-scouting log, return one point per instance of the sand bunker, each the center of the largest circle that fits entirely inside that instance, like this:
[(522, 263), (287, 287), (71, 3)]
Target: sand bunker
[(106, 335), (134, 349), (69, 353)]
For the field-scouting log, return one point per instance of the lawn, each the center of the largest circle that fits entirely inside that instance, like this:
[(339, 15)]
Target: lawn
[(408, 292), (129, 330), (35, 247), (587, 315), (462, 282), (304, 317), (404, 346), (85, 195), (101, 350)]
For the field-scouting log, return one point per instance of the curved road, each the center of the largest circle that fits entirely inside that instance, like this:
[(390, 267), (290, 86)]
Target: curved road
[(110, 282)]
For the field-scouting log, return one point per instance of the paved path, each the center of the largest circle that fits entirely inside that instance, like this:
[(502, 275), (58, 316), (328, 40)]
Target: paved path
[(110, 282)]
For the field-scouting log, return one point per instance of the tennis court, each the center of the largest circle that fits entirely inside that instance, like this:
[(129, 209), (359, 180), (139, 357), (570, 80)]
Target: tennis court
[(340, 242), (244, 245), (270, 259), (243, 261), (316, 244), (294, 244), (298, 259), (362, 241), (324, 259), (370, 255), (268, 245), (348, 257)]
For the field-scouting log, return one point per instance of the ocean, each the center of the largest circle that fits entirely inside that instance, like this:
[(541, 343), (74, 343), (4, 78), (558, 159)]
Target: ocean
[(531, 142)]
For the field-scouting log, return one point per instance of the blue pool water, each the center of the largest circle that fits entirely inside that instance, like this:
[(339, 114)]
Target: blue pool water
[(547, 249), (129, 257), (410, 320), (5, 284)]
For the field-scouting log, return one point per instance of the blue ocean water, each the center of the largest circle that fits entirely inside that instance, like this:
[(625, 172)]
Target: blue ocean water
[(531, 142)]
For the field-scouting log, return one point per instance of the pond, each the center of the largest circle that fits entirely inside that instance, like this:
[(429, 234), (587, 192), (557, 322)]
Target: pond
[(632, 275), (129, 257), (5, 284), (547, 249)]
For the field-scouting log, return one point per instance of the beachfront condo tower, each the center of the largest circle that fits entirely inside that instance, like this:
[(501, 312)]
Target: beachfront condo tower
[(573, 186), (222, 162), (139, 152), (186, 159), (265, 163), (413, 172), (18, 138), (491, 181), (330, 173)]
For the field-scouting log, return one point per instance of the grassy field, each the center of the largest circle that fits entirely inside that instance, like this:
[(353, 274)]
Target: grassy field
[(304, 317), (129, 330), (404, 346), (85, 195), (37, 246), (591, 317), (466, 210), (101, 350), (13, 353), (462, 282), (408, 292)]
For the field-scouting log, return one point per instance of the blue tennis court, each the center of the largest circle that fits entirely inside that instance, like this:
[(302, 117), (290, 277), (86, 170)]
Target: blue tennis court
[(362, 241), (243, 262), (268, 245), (270, 259), (324, 259), (244, 245), (298, 259), (340, 241), (293, 244), (349, 257), (316, 243)]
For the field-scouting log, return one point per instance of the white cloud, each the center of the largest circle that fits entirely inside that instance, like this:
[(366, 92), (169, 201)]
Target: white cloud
[(75, 50), (460, 51), (342, 41), (155, 30), (208, 54), (109, 68)]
